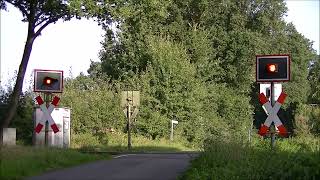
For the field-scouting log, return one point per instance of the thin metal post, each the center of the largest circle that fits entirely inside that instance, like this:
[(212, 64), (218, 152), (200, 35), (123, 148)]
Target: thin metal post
[(46, 134), (47, 98), (272, 127), (171, 134), (129, 124)]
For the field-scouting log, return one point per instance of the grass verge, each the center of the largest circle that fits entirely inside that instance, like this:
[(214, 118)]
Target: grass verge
[(292, 159), (118, 142), (23, 161)]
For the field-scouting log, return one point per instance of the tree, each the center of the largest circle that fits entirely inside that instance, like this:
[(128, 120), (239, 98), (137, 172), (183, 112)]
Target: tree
[(314, 78), (219, 40), (39, 14)]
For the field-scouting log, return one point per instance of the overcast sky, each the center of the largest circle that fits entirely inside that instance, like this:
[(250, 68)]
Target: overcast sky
[(73, 44)]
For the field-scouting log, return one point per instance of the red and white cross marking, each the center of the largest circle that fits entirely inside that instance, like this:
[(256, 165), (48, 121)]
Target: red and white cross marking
[(272, 114), (47, 114)]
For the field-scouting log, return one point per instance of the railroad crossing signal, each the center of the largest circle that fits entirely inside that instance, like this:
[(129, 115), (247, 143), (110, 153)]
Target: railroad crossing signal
[(49, 81), (272, 114), (272, 68), (47, 114)]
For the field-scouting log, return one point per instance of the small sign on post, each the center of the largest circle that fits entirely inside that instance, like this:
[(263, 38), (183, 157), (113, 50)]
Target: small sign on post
[(130, 102), (172, 124), (131, 97)]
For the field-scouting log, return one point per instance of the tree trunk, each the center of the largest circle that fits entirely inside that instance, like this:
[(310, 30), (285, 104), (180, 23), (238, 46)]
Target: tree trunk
[(19, 82)]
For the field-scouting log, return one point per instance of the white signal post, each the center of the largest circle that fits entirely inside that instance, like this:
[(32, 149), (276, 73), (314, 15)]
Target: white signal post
[(172, 124)]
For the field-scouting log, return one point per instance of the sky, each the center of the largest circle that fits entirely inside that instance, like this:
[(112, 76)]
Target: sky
[(69, 46), (61, 46)]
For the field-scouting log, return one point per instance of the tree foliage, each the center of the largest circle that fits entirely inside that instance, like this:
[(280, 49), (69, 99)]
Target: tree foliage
[(314, 77), (193, 61), (39, 14), (94, 105), (216, 41)]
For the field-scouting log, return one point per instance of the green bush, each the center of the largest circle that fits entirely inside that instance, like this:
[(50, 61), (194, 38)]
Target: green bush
[(84, 140), (231, 159), (307, 120), (95, 105)]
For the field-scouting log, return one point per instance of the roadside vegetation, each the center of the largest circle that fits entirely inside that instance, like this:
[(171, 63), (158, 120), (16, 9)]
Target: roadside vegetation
[(18, 162), (293, 158), (118, 142)]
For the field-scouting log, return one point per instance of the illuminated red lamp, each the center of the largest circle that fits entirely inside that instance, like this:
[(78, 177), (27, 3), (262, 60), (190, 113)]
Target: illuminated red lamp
[(48, 81), (272, 68)]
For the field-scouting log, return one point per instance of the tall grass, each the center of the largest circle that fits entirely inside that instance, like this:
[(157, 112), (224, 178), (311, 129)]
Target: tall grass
[(296, 158), (22, 161), (119, 141)]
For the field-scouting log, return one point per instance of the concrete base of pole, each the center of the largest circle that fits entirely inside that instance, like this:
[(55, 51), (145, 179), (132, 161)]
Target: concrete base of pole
[(9, 136)]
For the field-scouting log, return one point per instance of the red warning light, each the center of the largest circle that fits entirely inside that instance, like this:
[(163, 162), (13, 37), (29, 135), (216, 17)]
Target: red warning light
[(48, 81), (272, 68)]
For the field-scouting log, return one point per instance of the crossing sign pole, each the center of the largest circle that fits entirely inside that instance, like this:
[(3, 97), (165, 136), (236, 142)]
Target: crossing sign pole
[(46, 127), (273, 135), (130, 101)]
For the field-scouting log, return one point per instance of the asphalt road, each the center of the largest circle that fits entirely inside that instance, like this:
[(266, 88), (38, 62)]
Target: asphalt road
[(126, 166)]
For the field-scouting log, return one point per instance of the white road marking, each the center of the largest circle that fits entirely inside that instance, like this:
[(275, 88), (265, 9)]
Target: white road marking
[(123, 155)]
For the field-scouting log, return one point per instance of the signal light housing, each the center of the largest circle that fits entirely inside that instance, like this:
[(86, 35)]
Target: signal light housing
[(272, 68), (48, 81)]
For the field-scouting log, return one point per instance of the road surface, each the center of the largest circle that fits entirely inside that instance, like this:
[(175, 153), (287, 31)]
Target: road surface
[(126, 166)]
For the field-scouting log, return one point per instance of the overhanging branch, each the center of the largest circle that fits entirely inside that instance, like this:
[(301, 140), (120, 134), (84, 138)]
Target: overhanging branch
[(40, 21), (18, 5), (45, 25)]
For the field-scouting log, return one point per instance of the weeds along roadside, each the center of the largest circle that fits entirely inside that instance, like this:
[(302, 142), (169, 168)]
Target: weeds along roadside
[(293, 158), (22, 161), (117, 142)]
